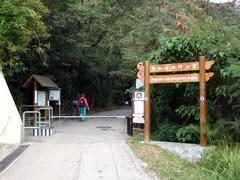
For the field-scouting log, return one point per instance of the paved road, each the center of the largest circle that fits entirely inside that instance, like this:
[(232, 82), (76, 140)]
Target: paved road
[(90, 150)]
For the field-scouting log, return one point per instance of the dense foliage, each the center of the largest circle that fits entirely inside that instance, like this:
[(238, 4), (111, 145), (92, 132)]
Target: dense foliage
[(93, 46), (22, 32), (21, 27), (195, 30), (85, 51)]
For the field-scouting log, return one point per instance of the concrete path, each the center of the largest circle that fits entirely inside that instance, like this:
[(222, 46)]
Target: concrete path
[(6, 149), (90, 150)]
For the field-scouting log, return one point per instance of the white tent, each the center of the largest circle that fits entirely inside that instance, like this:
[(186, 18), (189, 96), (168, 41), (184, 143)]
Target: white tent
[(10, 120)]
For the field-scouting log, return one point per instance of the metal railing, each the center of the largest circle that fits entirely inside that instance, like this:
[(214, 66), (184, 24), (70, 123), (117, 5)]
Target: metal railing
[(39, 121), (37, 116), (49, 117)]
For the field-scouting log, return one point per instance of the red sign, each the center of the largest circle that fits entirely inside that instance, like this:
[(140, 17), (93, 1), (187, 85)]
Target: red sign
[(139, 74), (140, 66)]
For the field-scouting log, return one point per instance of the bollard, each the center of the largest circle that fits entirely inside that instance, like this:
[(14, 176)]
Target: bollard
[(129, 126)]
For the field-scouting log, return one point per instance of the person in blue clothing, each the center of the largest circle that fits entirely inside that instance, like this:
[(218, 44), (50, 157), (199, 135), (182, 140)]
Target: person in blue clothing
[(83, 106), (75, 106)]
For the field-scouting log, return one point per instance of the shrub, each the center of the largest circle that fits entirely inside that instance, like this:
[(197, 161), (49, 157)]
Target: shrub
[(166, 131), (223, 163), (224, 131), (189, 133)]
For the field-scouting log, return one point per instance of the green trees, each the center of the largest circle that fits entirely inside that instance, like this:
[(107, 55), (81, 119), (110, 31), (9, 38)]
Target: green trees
[(85, 54), (93, 46), (197, 34), (21, 24)]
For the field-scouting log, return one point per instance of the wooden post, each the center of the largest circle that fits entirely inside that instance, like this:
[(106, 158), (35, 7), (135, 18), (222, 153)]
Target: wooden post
[(35, 100), (202, 96), (35, 95), (147, 111), (46, 101)]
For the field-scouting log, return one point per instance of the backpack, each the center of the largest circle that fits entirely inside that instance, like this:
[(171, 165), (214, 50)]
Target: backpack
[(81, 103)]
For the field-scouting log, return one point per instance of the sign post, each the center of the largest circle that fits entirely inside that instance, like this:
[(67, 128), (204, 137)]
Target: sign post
[(147, 102), (202, 96), (202, 77), (138, 107)]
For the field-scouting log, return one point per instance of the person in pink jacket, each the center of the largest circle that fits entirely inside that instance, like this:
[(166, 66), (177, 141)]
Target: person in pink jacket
[(83, 106)]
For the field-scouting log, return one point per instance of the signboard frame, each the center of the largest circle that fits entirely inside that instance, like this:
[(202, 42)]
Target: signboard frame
[(202, 77), (54, 94)]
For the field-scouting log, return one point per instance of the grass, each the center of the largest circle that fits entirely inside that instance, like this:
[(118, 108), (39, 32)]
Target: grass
[(223, 163)]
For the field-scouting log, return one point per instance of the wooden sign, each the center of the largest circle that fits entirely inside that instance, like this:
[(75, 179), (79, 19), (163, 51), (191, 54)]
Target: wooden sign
[(177, 78), (189, 66), (202, 77)]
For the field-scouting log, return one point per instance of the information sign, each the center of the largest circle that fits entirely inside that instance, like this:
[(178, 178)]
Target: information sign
[(41, 98), (139, 83), (54, 95)]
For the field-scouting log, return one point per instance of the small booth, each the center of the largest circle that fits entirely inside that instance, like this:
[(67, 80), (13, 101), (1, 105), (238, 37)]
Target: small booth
[(43, 97), (43, 92)]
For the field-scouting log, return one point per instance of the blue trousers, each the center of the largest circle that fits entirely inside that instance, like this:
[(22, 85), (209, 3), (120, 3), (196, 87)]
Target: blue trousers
[(83, 112)]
